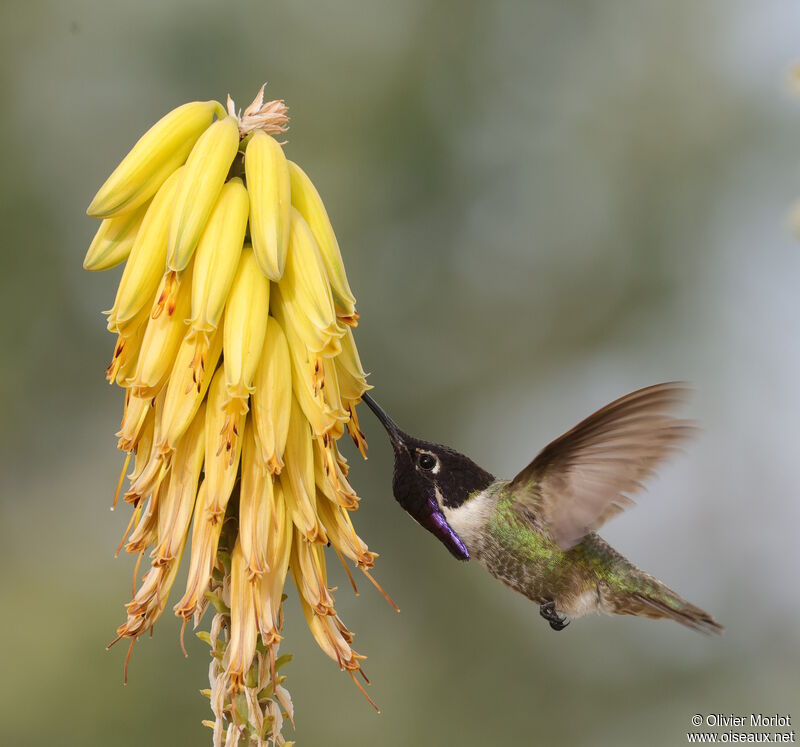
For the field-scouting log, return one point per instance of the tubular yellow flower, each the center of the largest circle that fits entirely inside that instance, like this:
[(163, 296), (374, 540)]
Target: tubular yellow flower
[(272, 397), (330, 477), (185, 391), (244, 630), (233, 415), (351, 376), (268, 184), (244, 330), (126, 351), (221, 462), (157, 465), (255, 506), (296, 326), (297, 480), (308, 567), (150, 599), (307, 375), (205, 538), (331, 636), (161, 342), (309, 204), (145, 266), (133, 418), (144, 533), (329, 387), (202, 181), (178, 503), (216, 259), (157, 154), (352, 384), (270, 588), (342, 534), (114, 239), (305, 289), (142, 443)]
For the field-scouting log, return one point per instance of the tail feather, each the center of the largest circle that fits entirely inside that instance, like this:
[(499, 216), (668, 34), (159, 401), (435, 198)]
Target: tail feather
[(665, 603)]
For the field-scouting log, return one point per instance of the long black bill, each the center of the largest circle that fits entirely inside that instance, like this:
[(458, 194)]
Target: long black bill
[(424, 510), (391, 427)]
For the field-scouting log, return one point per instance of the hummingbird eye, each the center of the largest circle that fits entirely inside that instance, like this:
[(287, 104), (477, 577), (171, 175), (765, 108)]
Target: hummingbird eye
[(427, 461)]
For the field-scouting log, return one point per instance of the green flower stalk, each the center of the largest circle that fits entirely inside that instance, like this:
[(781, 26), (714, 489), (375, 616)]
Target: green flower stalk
[(253, 712)]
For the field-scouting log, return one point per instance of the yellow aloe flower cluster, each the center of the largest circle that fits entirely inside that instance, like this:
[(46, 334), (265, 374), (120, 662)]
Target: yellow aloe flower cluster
[(235, 350)]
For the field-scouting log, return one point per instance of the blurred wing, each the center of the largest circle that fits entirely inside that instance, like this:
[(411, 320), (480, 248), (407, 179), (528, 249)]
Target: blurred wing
[(580, 480)]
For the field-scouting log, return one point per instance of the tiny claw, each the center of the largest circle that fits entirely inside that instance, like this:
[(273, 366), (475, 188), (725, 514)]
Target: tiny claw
[(548, 612)]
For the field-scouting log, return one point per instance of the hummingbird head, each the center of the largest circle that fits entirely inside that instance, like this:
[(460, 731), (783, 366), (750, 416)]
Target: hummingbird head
[(429, 477)]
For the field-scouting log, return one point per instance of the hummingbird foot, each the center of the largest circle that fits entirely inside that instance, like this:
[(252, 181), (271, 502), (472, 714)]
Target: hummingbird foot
[(548, 612)]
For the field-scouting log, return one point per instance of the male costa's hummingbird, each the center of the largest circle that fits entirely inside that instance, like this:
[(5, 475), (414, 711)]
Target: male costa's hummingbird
[(535, 533)]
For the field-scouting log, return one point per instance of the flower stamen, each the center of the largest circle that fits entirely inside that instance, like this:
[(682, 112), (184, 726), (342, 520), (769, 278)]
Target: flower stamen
[(363, 691), (121, 479)]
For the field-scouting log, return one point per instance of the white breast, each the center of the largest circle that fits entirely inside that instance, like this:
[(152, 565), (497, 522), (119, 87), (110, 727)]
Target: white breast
[(581, 605), (469, 519)]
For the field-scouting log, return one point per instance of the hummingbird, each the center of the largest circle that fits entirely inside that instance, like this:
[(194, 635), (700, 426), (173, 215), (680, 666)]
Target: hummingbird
[(536, 532)]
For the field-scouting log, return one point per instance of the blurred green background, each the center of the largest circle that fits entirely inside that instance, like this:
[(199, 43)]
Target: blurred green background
[(542, 205)]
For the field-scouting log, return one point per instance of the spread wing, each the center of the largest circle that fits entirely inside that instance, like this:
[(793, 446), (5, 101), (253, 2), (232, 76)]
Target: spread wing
[(580, 480)]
